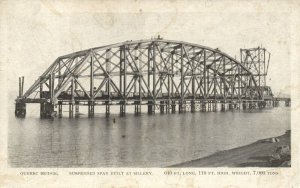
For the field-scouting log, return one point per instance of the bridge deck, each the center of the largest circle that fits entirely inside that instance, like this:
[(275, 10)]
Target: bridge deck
[(145, 97)]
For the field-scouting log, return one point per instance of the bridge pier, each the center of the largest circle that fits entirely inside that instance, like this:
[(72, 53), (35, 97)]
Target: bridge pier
[(123, 108), (271, 103), (20, 110), (193, 108), (46, 110), (230, 106), (151, 108), (253, 105), (162, 107), (250, 105), (275, 103), (223, 106), (203, 106), (168, 106), (214, 106), (244, 105), (71, 110), (76, 109), (137, 108), (261, 104), (173, 106), (208, 106), (238, 105), (91, 109), (181, 107), (59, 109), (107, 109)]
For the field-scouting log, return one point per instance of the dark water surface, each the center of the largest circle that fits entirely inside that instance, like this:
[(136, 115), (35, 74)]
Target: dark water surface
[(136, 141)]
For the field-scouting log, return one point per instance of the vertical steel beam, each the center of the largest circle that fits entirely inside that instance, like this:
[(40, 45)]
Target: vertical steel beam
[(154, 69), (169, 84), (193, 75), (224, 79), (140, 80), (52, 79), (72, 90), (239, 82), (20, 87), (182, 73), (264, 72), (204, 74), (107, 61), (193, 82), (150, 103), (92, 79), (22, 90), (135, 72), (215, 78), (50, 86), (121, 66), (41, 90), (149, 66), (181, 103), (125, 73), (71, 103), (59, 72), (233, 81), (241, 77), (172, 71), (125, 81), (258, 54)]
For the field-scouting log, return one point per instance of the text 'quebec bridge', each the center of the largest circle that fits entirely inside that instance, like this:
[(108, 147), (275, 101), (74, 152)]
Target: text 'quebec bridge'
[(162, 74)]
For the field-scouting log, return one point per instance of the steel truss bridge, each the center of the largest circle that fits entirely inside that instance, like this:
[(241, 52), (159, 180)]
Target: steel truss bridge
[(158, 73)]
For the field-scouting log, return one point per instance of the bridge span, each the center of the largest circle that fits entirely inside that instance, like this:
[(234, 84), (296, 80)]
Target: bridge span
[(162, 74)]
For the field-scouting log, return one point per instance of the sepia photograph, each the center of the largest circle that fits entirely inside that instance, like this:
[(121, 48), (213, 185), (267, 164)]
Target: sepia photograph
[(152, 103), (165, 85)]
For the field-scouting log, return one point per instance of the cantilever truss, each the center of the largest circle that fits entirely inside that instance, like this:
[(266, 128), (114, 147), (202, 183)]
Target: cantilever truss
[(142, 71)]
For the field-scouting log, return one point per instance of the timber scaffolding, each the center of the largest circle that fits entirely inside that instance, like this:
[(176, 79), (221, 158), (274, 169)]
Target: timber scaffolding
[(161, 74)]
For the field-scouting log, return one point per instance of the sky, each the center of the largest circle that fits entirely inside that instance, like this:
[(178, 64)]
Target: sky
[(35, 33)]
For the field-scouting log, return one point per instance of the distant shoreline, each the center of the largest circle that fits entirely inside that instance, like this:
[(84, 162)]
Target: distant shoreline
[(257, 154)]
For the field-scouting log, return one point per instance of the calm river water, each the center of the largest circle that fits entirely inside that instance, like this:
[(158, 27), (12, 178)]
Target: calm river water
[(136, 141)]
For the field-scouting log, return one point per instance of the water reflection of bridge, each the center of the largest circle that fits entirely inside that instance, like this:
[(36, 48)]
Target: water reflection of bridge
[(158, 73)]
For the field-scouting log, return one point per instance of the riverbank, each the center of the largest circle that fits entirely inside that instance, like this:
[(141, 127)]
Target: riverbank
[(257, 154)]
